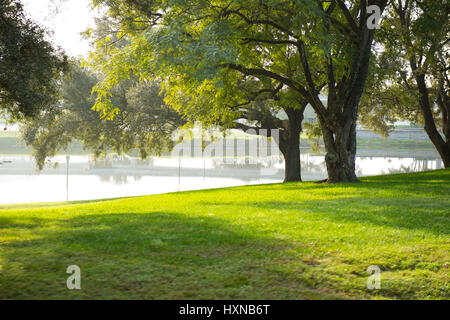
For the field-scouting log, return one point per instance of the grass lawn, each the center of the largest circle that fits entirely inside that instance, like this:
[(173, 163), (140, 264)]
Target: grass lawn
[(278, 241)]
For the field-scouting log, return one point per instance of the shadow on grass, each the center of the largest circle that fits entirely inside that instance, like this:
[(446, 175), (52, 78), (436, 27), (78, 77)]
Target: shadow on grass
[(159, 255)]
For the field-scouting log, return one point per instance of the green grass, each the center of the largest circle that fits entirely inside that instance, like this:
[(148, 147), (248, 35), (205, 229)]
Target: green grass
[(278, 241)]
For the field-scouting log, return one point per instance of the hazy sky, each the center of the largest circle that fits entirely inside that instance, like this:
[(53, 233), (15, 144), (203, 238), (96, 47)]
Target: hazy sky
[(66, 19)]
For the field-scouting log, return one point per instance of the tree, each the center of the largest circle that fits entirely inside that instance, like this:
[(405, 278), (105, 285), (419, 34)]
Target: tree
[(342, 68), (413, 70), (144, 121), (29, 65), (201, 51), (254, 99)]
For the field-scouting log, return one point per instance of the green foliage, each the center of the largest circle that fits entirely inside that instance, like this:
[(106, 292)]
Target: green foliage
[(207, 54), (143, 120), (191, 45), (392, 92), (313, 134), (29, 66)]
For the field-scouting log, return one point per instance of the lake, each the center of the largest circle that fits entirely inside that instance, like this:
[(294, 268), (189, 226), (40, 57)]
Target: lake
[(85, 179)]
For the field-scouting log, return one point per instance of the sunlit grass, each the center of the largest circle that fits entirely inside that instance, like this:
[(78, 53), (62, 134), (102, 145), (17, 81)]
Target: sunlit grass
[(278, 241)]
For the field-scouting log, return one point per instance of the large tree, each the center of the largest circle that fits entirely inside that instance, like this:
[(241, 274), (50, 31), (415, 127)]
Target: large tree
[(29, 65), (263, 104), (203, 51), (412, 80)]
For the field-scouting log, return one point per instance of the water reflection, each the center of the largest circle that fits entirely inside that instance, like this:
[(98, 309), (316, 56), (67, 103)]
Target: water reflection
[(126, 176)]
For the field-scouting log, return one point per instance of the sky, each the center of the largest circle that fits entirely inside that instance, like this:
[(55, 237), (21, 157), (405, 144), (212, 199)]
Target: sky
[(65, 19)]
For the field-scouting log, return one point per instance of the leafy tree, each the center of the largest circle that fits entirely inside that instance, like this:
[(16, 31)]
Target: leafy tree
[(203, 51), (335, 54), (257, 101), (29, 65), (412, 72), (144, 121)]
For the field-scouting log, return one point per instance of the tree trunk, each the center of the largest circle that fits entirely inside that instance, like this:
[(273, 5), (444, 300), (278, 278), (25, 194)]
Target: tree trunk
[(290, 145), (445, 155), (340, 147), (338, 118), (442, 146), (292, 166), (288, 139), (444, 105)]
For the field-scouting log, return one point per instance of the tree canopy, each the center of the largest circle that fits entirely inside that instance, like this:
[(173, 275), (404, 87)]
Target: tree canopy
[(144, 121), (204, 54), (29, 65), (411, 74)]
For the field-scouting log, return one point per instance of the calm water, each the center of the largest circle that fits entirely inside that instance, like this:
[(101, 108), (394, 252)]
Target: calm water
[(19, 183)]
